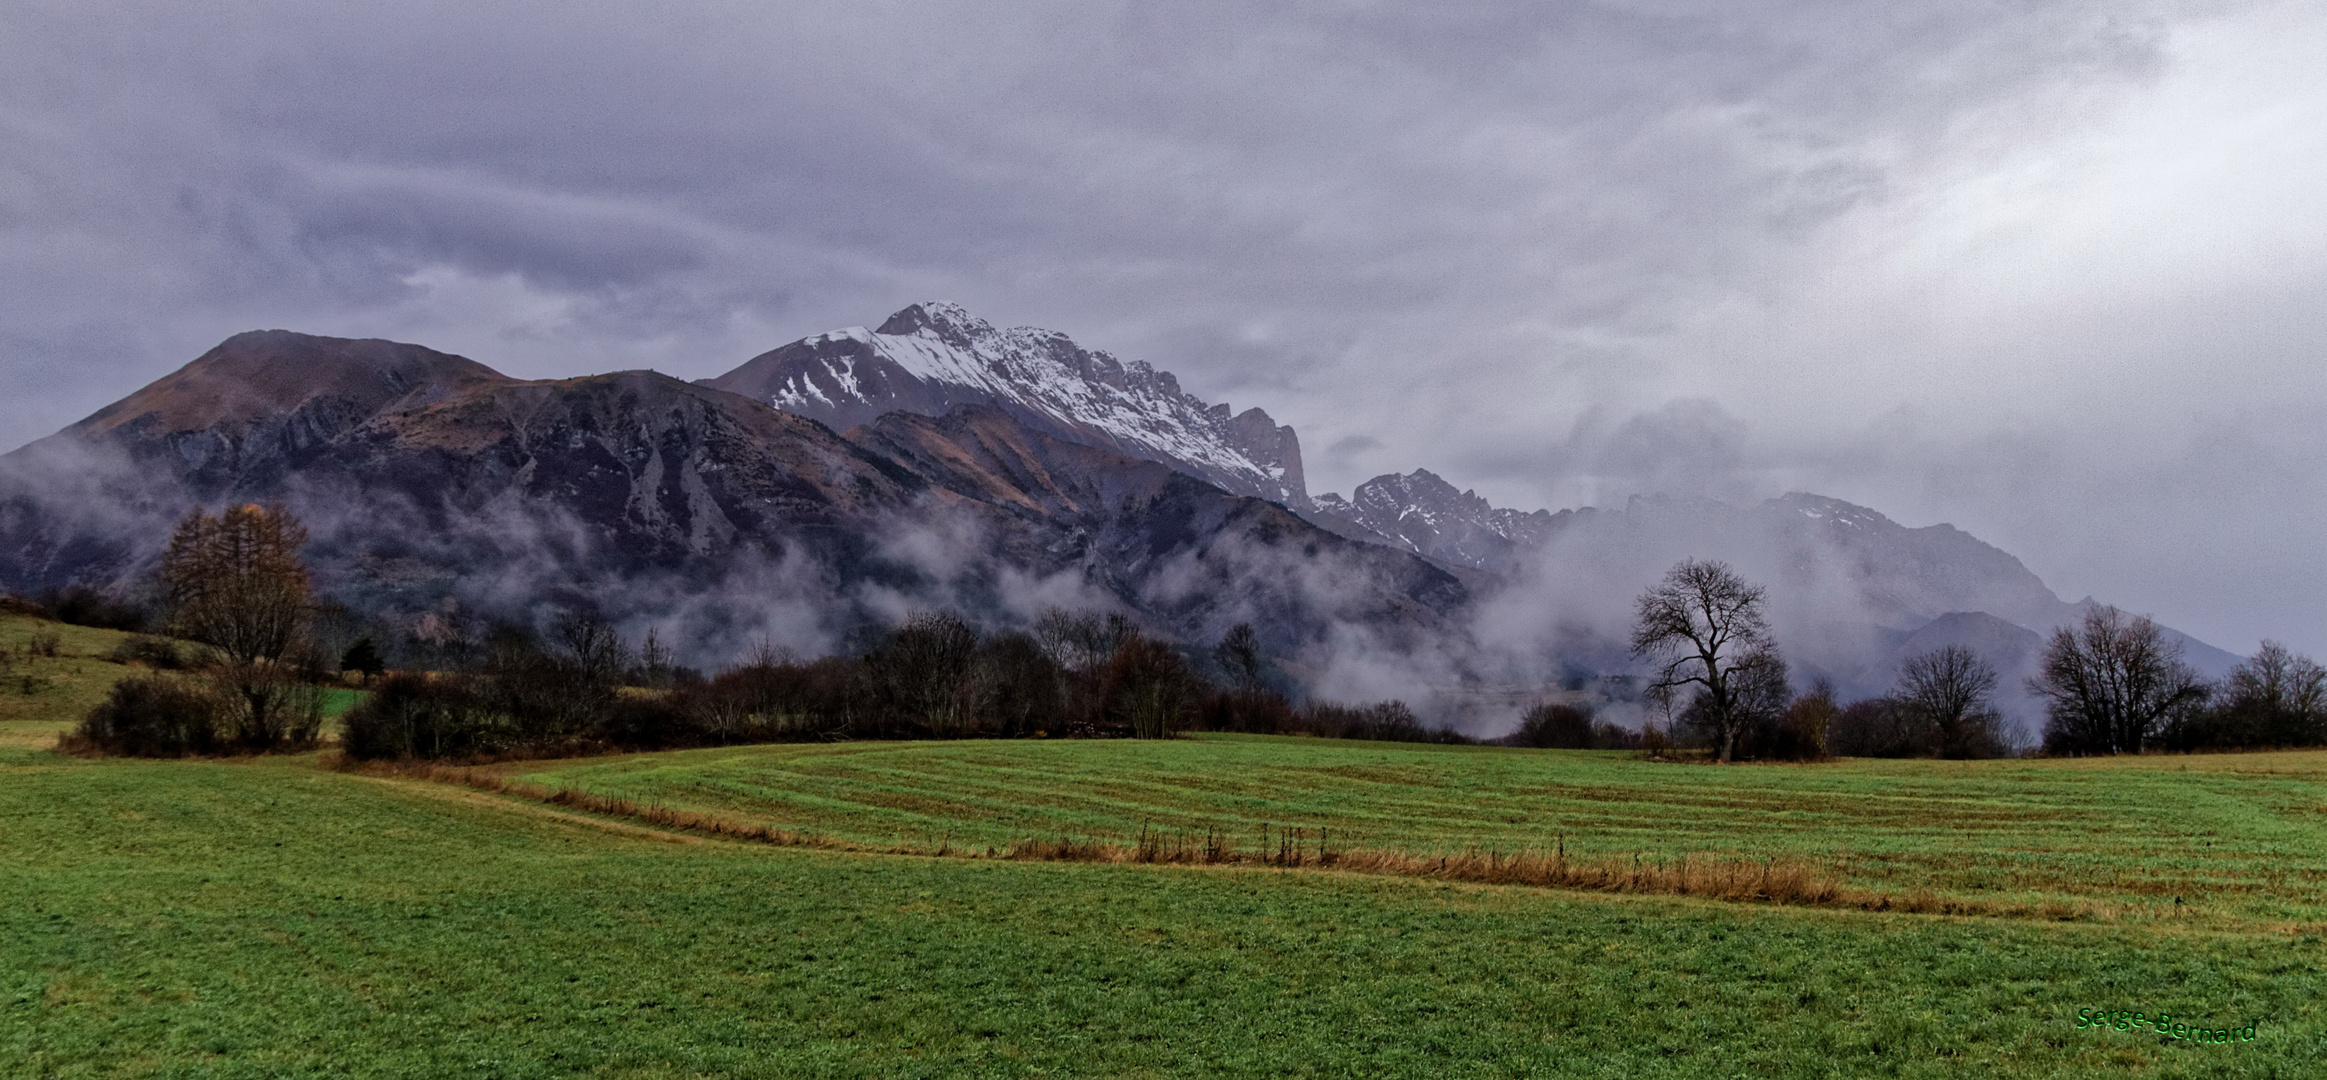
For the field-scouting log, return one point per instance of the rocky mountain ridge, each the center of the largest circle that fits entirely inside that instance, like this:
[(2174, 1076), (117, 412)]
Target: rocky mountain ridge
[(1422, 513), (933, 357)]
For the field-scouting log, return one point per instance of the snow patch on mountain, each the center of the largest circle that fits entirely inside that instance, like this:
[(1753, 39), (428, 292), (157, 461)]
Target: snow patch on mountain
[(932, 358), (1422, 513)]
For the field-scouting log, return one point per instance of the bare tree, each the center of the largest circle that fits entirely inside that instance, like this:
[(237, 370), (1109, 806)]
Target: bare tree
[(1555, 726), (1148, 688), (1948, 693), (1238, 654), (2277, 697), (1800, 732), (1059, 633), (593, 648), (927, 666), (2111, 683), (1081, 641), (1021, 685), (233, 581), (1701, 626)]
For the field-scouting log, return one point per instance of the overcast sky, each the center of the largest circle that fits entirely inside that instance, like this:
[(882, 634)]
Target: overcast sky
[(2052, 272)]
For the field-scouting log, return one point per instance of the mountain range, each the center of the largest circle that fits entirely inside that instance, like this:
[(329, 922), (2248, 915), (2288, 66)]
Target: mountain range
[(829, 486)]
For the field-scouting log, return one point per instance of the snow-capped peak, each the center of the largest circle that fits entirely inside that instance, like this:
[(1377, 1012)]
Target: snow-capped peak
[(932, 357)]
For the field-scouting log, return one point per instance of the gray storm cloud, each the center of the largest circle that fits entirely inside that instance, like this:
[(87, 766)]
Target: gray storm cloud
[(2046, 271)]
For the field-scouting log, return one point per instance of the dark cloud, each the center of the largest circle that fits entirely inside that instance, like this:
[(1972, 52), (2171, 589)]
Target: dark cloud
[(1498, 238)]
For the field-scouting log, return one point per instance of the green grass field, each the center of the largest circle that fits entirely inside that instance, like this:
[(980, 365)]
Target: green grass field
[(2241, 839), (272, 917)]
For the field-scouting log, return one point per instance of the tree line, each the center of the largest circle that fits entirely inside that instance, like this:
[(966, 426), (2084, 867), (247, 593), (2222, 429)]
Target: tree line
[(2112, 684), (233, 584)]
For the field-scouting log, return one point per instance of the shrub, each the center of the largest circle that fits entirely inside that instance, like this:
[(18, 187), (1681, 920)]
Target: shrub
[(650, 721), (157, 716), (86, 607), (44, 642), (1555, 727), (1877, 727), (1388, 721), (1607, 736), (159, 653), (1253, 711), (411, 715)]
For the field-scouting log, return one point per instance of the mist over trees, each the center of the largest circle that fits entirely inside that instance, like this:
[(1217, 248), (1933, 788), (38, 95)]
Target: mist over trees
[(935, 676), (233, 586)]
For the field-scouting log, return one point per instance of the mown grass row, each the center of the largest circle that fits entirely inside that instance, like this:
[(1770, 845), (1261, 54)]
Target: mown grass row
[(2231, 837), (1788, 881)]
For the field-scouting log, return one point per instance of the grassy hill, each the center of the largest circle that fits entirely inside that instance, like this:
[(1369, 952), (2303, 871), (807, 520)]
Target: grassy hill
[(51, 673), (41, 696), (272, 917)]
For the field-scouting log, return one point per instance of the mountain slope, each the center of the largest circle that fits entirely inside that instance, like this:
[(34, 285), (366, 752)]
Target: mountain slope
[(930, 358), (1180, 545), (267, 393), (1422, 513), (429, 482)]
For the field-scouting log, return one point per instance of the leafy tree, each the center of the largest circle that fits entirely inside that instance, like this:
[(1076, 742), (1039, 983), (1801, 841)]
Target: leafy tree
[(2111, 683), (1703, 626)]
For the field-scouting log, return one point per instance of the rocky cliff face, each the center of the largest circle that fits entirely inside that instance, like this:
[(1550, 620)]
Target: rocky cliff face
[(1422, 513), (931, 358)]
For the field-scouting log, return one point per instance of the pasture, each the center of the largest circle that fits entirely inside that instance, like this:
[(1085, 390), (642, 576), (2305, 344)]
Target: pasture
[(277, 917)]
